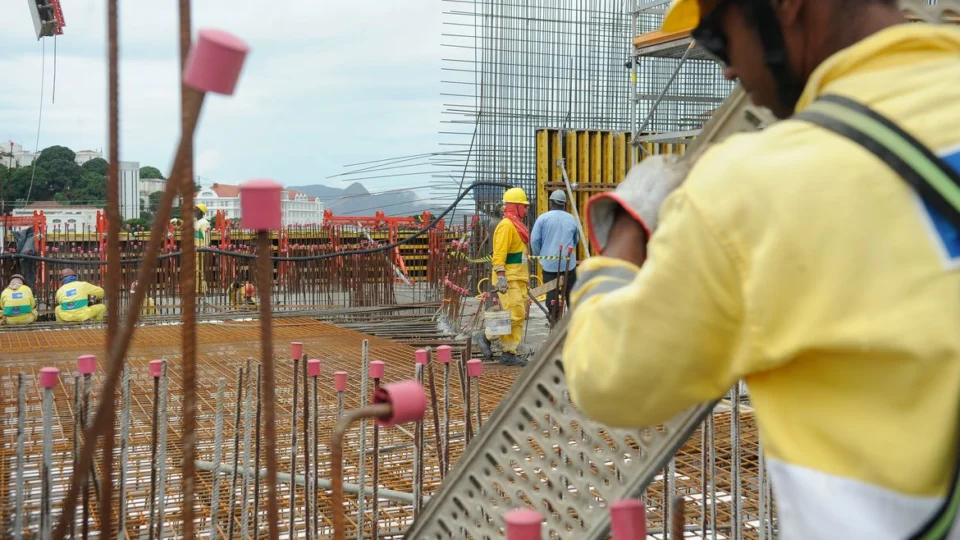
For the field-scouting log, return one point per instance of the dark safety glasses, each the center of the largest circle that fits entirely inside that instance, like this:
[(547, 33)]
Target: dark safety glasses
[(709, 35)]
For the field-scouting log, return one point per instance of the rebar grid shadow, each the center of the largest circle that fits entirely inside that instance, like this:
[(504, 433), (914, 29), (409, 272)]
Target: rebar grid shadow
[(220, 353)]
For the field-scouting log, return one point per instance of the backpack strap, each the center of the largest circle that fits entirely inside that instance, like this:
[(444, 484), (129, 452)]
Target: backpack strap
[(937, 183)]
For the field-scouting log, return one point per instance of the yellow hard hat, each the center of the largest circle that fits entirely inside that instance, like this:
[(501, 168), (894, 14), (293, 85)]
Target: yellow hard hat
[(515, 195), (201, 207), (682, 16)]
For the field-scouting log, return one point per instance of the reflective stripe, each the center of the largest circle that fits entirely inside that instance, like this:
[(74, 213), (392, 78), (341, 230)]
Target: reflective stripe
[(616, 272), (13, 311), (515, 258), (602, 285), (70, 306)]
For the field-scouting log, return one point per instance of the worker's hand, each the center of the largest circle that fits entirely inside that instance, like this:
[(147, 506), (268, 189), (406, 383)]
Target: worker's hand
[(637, 199), (502, 284)]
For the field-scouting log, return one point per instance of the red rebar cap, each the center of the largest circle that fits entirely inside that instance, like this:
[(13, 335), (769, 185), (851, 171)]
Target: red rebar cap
[(340, 381), (407, 398), (215, 61), (313, 367), (422, 357), (377, 369), (474, 367), (49, 377), (156, 368), (524, 524), (260, 202), (628, 520), (296, 350), (444, 353), (87, 364)]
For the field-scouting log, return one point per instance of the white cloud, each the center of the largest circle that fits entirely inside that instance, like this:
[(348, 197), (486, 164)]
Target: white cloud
[(326, 83)]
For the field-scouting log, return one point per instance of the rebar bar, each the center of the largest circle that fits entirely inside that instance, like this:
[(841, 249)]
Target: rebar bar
[(21, 436), (162, 450), (124, 451), (293, 442), (264, 275), (236, 454), (361, 473), (247, 428), (47, 464), (306, 450), (217, 456), (256, 459)]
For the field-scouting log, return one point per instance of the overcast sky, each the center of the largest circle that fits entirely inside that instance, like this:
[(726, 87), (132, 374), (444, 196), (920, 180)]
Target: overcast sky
[(326, 83)]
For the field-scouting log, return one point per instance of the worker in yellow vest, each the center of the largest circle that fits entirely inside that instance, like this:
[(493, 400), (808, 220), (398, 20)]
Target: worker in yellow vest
[(17, 302), (74, 299), (803, 260), (149, 306), (511, 275), (201, 230)]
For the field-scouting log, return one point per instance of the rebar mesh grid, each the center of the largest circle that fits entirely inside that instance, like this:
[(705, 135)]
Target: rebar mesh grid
[(511, 66)]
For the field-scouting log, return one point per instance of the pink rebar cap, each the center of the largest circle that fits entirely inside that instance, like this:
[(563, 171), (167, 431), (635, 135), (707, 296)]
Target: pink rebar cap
[(407, 398), (474, 367), (444, 353), (49, 377), (524, 524), (296, 350), (377, 369), (340, 380), (215, 61), (313, 367), (260, 202), (628, 520), (422, 357), (87, 364), (156, 368)]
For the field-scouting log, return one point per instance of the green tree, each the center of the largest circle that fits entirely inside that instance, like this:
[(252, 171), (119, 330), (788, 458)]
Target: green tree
[(151, 172), (97, 165), (19, 184), (62, 177), (55, 153), (154, 199)]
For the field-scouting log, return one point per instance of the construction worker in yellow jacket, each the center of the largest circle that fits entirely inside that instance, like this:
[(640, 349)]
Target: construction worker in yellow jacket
[(511, 275), (149, 306), (17, 302), (797, 260), (201, 230), (73, 299)]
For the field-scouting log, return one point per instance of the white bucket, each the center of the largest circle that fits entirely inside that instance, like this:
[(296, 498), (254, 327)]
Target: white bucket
[(497, 323)]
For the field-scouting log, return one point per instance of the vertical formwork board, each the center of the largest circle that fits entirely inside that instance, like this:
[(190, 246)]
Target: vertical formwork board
[(596, 161)]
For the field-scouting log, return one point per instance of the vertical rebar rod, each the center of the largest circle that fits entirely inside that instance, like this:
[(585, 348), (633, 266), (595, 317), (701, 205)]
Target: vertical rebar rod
[(761, 489), (265, 279), (153, 457), (256, 458), (446, 418), (712, 474), (236, 455), (375, 497), (467, 413), (124, 452), (21, 436), (77, 434), (735, 463), (308, 481), (217, 457), (316, 450), (112, 281), (362, 465), (162, 451), (293, 446), (436, 414), (45, 478), (704, 478), (669, 491), (188, 284), (245, 485), (418, 454), (476, 397), (84, 412)]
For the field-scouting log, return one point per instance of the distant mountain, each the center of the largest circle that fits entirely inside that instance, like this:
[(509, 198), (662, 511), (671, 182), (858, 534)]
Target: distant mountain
[(355, 200)]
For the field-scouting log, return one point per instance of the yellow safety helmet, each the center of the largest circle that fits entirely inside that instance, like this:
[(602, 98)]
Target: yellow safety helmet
[(201, 207), (682, 16), (515, 195)]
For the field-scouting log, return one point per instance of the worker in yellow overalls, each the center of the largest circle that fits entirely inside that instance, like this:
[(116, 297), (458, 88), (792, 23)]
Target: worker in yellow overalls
[(242, 295), (510, 274), (18, 303), (149, 306), (73, 299)]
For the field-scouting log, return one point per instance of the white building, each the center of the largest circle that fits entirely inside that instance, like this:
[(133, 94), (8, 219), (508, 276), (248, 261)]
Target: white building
[(130, 189), (18, 157), (62, 218), (297, 208)]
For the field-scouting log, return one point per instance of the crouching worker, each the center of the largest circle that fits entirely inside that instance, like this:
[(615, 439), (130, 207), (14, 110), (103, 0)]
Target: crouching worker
[(242, 295), (17, 302), (73, 299), (149, 304)]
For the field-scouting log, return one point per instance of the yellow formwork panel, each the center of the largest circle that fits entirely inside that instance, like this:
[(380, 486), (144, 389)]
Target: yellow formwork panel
[(596, 161)]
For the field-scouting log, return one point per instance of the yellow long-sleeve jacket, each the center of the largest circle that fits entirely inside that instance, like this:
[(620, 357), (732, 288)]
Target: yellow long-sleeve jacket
[(509, 253), (18, 306), (72, 301), (797, 260)]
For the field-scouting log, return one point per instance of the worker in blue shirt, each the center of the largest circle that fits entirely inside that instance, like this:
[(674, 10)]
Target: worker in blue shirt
[(554, 229)]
